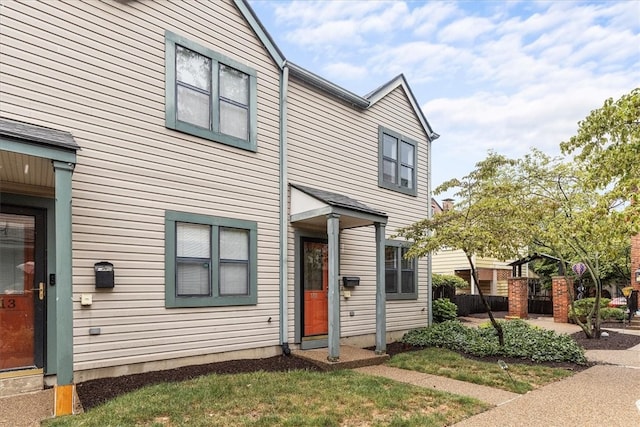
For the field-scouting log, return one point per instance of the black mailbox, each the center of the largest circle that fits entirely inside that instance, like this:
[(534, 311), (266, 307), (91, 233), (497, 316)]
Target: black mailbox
[(104, 274), (350, 282)]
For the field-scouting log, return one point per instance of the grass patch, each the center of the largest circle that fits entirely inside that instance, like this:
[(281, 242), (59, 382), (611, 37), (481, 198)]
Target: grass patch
[(296, 398), (447, 363)]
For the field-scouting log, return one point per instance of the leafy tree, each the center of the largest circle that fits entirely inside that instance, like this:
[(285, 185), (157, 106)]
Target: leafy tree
[(484, 222), (608, 145), (601, 212), (574, 221)]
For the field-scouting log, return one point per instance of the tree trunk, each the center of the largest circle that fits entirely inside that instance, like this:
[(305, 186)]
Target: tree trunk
[(494, 323)]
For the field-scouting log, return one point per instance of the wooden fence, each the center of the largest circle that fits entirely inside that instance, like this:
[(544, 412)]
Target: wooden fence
[(470, 304)]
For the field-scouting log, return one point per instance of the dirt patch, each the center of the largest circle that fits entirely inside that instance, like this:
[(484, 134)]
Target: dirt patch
[(615, 341), (95, 392)]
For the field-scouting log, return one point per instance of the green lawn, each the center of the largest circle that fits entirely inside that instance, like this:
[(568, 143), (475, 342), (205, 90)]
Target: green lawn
[(296, 398), (446, 363)]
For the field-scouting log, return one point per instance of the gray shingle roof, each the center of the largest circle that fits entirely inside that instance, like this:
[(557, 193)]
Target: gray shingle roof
[(338, 200), (39, 134)]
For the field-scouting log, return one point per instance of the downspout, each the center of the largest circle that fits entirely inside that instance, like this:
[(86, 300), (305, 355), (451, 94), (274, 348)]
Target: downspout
[(429, 257), (284, 223)]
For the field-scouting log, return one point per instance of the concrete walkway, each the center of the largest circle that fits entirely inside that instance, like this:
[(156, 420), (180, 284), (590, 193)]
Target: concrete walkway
[(604, 395), (26, 410)]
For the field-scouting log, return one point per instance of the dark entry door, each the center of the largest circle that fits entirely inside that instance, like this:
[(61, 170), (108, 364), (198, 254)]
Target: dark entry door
[(315, 283), (22, 287)]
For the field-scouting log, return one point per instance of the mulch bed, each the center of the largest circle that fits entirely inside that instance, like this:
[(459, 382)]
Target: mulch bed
[(96, 392)]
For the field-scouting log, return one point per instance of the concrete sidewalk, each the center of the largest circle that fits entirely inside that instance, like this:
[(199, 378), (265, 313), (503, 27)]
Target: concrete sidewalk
[(604, 395)]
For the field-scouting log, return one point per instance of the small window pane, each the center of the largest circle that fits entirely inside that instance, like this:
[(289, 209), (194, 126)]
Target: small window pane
[(193, 107), (193, 240), (407, 282), (406, 177), (234, 120), (391, 281), (234, 85), (192, 278), (389, 171), (390, 147), (407, 263), (406, 154), (193, 68), (234, 279), (234, 244), (390, 259)]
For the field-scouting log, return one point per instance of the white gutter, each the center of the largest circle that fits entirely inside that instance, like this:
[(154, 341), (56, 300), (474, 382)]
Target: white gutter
[(284, 223)]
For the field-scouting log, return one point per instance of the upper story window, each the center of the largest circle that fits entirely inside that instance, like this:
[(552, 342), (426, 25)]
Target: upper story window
[(397, 158), (209, 95), (210, 261)]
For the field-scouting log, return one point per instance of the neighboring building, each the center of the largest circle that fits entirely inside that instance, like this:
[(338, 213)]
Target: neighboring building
[(493, 274), (173, 191)]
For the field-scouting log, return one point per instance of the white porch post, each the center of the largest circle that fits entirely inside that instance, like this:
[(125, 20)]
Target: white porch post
[(333, 231), (381, 313)]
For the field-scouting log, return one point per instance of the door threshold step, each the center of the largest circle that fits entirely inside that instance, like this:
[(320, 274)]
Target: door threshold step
[(350, 357), (18, 382)]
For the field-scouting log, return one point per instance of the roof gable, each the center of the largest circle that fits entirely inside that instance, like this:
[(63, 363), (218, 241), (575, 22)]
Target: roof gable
[(261, 32), (361, 102), (401, 82)]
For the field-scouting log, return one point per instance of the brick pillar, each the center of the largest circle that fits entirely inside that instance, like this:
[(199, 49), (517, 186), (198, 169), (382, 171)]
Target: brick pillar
[(561, 298), (518, 298), (635, 263)]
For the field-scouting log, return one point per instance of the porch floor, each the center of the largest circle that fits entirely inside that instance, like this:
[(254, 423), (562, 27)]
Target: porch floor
[(350, 357)]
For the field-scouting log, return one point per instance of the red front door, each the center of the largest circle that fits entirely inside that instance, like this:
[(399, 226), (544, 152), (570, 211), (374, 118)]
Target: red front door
[(22, 288), (315, 282)]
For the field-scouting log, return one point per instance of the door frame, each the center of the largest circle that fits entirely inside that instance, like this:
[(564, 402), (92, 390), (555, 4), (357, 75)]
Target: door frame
[(40, 276)]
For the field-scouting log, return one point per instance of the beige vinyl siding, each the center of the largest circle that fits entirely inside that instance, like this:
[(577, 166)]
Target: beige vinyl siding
[(447, 261), (334, 147), (97, 69), (492, 263)]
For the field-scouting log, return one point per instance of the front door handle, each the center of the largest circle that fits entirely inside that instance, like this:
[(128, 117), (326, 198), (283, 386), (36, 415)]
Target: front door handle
[(40, 290)]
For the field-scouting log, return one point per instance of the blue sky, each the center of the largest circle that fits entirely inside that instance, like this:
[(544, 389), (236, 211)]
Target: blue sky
[(489, 75)]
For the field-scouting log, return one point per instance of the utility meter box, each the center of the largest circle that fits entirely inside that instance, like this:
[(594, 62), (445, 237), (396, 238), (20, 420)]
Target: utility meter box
[(350, 281), (104, 275)]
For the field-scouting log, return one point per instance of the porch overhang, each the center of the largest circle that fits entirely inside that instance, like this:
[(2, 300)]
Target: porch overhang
[(324, 210), (310, 207), (40, 162)]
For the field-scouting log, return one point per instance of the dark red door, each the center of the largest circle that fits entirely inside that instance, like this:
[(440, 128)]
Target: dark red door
[(22, 287)]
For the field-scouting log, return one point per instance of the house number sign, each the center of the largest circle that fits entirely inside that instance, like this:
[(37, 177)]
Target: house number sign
[(7, 303)]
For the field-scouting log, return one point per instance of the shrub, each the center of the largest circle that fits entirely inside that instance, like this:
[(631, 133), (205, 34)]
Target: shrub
[(448, 280), (582, 307), (444, 309), (612, 313), (521, 341)]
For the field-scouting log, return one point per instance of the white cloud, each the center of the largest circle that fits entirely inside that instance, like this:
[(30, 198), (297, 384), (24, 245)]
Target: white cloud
[(427, 18), (490, 75), (465, 29), (341, 70)]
